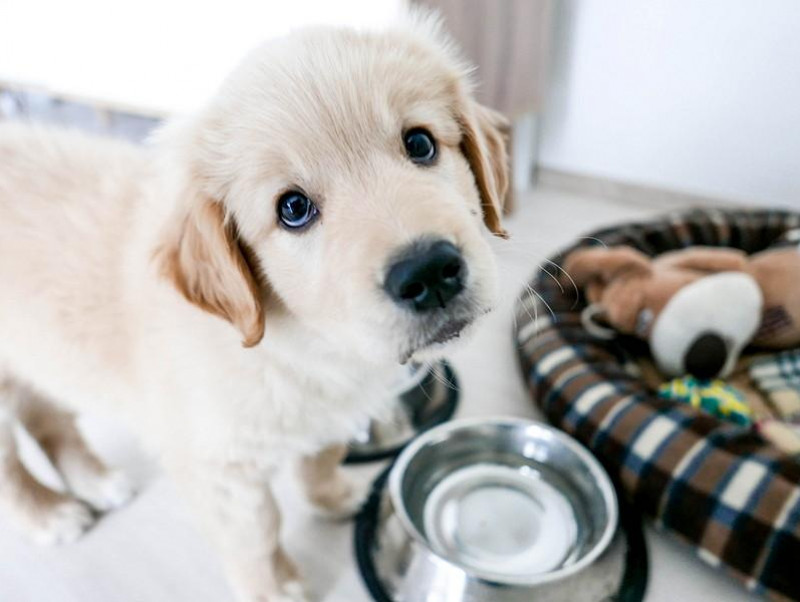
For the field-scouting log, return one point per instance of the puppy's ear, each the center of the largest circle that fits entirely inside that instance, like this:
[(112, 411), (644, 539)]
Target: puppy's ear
[(601, 265), (204, 258), (484, 144)]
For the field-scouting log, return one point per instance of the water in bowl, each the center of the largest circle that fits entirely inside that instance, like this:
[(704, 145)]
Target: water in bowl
[(511, 521)]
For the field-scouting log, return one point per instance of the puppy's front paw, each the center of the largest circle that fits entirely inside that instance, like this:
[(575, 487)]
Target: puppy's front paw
[(343, 498), (62, 523), (108, 492), (293, 591)]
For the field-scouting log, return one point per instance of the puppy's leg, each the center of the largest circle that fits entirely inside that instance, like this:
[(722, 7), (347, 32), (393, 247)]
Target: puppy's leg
[(239, 512), (49, 517), (328, 487), (83, 472)]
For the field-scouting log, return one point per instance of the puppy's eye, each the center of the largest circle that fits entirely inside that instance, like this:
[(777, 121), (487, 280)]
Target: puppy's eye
[(420, 146), (296, 210)]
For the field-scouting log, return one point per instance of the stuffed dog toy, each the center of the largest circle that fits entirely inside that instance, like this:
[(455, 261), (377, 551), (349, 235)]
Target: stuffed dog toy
[(697, 307)]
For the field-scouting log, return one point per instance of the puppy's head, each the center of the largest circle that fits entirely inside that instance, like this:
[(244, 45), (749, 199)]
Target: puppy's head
[(346, 179)]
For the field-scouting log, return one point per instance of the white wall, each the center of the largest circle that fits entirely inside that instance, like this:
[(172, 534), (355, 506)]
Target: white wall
[(156, 55), (695, 96)]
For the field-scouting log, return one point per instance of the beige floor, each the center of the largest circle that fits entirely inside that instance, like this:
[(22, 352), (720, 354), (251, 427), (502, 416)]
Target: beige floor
[(150, 552)]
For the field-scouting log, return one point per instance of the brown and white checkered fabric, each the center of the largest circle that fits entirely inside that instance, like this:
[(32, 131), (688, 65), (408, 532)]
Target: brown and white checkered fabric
[(717, 486)]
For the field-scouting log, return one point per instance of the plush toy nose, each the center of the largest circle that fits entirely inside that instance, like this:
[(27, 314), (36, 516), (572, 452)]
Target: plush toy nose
[(706, 356)]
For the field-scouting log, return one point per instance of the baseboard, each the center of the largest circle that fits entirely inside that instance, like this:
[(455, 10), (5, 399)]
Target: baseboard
[(628, 192)]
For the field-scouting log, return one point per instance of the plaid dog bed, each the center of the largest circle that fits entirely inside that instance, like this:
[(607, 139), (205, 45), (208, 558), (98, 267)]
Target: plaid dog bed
[(778, 377), (716, 485)]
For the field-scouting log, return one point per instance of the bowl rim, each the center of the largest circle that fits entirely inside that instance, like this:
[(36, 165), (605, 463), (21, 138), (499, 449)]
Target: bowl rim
[(603, 480)]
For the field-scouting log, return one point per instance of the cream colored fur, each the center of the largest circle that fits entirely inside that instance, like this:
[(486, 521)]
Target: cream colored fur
[(157, 284)]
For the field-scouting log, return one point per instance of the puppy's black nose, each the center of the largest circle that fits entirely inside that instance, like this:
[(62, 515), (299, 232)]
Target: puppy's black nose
[(427, 276), (706, 356)]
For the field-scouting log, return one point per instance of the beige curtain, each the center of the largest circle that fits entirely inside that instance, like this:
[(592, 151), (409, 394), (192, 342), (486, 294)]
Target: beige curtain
[(508, 40)]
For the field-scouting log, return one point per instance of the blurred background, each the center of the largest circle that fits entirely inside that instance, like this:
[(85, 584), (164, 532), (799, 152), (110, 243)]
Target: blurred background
[(691, 97), (622, 109)]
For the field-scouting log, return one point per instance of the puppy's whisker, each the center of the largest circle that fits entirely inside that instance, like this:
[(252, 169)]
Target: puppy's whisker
[(534, 317), (442, 379), (563, 271), (552, 277), (521, 288), (595, 239), (424, 390), (537, 260), (535, 306), (528, 290)]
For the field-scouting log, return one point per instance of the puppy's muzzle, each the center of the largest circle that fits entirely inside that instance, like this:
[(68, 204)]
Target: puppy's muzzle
[(426, 276)]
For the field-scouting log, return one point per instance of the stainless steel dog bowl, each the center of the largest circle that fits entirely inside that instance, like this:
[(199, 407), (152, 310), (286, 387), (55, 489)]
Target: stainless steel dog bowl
[(423, 396), (496, 510)]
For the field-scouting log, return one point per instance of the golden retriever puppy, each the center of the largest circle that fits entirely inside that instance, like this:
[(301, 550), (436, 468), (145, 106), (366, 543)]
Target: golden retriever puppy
[(243, 290)]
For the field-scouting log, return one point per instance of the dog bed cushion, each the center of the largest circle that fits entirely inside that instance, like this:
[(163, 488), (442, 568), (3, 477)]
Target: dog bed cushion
[(718, 486)]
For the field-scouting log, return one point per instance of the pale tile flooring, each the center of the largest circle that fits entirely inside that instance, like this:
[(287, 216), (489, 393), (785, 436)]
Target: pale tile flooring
[(150, 551)]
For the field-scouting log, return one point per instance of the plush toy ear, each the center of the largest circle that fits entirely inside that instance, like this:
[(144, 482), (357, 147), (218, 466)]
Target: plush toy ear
[(206, 261), (706, 259), (601, 265), (623, 305), (484, 140), (619, 305)]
